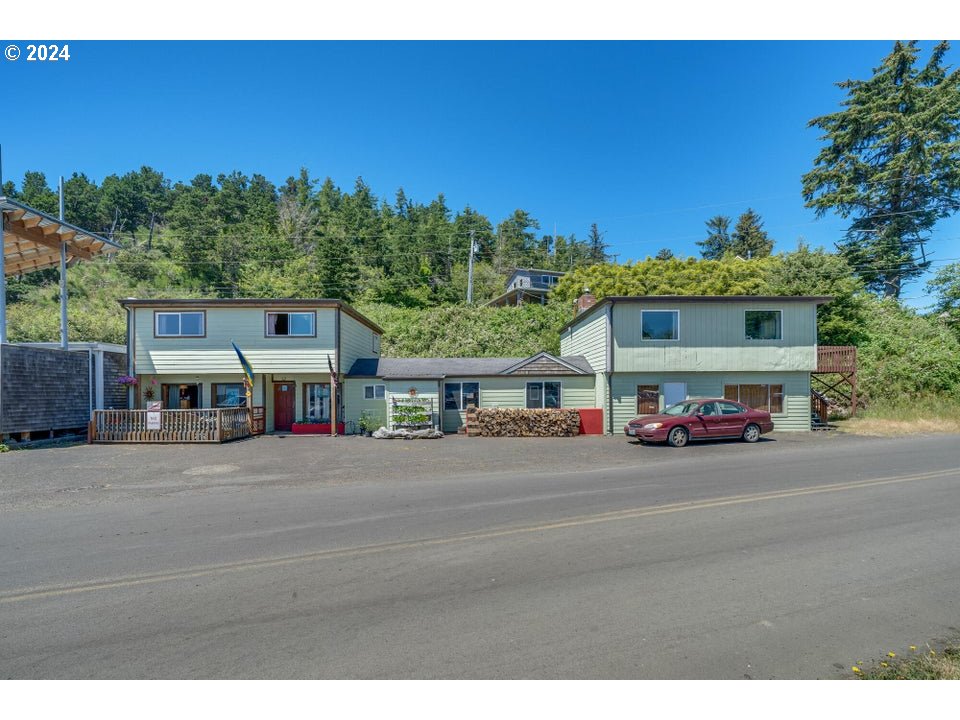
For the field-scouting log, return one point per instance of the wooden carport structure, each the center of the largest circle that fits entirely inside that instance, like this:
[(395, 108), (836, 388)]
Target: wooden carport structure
[(33, 240)]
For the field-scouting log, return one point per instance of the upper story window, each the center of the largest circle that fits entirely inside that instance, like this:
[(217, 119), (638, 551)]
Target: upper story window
[(179, 324), (376, 343), (660, 324), (763, 324), (291, 324)]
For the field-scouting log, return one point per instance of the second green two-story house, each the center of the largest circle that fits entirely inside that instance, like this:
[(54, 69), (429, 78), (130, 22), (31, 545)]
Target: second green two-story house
[(650, 352), (180, 351)]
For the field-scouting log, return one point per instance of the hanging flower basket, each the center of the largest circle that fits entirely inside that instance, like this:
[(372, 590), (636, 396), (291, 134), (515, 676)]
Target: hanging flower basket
[(127, 380)]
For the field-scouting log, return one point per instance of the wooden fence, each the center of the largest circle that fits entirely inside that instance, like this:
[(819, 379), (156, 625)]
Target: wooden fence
[(214, 425)]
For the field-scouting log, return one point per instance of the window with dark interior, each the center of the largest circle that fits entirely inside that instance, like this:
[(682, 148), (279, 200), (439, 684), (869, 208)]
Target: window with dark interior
[(763, 324), (290, 324), (660, 324)]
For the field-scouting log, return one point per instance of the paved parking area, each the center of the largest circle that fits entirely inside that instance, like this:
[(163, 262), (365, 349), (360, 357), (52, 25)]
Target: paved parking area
[(85, 474)]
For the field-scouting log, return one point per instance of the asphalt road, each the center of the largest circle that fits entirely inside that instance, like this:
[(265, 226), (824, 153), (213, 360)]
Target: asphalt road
[(789, 559)]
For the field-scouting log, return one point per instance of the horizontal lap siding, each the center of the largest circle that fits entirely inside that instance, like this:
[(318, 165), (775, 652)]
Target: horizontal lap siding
[(215, 354), (401, 389), (712, 339), (796, 389), (511, 392), (588, 338), (356, 403), (356, 341)]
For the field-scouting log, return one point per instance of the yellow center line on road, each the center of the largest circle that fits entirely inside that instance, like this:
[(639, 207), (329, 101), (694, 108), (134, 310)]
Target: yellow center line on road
[(578, 521)]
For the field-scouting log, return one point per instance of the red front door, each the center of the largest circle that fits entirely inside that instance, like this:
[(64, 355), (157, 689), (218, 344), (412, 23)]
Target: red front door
[(283, 405)]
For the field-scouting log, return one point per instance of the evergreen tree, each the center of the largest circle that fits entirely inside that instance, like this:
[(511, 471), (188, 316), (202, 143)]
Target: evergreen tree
[(750, 240), (598, 248), (664, 254), (891, 164), (717, 242)]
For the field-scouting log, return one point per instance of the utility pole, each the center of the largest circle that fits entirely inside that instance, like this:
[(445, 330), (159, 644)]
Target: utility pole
[(473, 249), (64, 344)]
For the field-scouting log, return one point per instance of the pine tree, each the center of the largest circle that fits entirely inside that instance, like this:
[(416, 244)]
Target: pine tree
[(891, 164), (598, 248), (717, 242), (749, 239)]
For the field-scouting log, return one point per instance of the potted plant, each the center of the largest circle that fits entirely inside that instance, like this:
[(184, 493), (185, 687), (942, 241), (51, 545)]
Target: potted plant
[(367, 423)]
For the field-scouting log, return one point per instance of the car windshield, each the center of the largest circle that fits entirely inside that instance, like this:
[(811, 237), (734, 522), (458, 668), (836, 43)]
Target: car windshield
[(684, 408)]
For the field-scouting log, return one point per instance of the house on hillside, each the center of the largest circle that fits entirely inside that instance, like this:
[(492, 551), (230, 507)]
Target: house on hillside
[(376, 385), (180, 351), (527, 285), (650, 352)]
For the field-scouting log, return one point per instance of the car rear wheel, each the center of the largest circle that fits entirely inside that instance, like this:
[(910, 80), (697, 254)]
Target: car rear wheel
[(678, 437), (751, 433)]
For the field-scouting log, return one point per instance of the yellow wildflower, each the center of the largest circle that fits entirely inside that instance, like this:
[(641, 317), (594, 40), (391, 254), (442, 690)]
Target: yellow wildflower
[(855, 669), (884, 664), (891, 654), (913, 648)]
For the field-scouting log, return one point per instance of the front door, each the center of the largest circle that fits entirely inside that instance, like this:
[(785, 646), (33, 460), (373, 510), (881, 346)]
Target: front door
[(283, 404)]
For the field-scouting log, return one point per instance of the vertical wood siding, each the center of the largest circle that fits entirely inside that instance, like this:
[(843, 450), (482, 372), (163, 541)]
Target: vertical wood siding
[(712, 338)]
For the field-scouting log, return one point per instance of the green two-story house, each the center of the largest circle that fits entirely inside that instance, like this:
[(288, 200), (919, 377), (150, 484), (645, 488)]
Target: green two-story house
[(182, 355), (650, 352)]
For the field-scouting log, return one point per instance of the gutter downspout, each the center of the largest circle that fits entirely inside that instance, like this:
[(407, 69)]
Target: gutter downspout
[(130, 358), (336, 389), (610, 356), (90, 402)]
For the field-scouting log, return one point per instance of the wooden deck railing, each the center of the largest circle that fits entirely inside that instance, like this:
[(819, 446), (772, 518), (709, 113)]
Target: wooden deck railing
[(836, 358), (176, 426)]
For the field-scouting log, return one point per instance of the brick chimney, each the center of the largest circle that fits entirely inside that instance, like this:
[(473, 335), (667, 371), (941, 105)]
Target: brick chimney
[(584, 302)]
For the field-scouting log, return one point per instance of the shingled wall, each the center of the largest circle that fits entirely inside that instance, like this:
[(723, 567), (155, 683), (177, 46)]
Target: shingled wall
[(43, 389)]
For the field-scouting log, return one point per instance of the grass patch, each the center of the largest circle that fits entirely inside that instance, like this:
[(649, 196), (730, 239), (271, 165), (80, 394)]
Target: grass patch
[(909, 416), (924, 665)]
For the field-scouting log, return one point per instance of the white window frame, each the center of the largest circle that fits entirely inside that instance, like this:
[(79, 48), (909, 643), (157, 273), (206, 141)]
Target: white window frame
[(543, 393), (373, 391), (375, 346), (660, 310), (313, 323), (460, 383), (156, 323), (779, 325)]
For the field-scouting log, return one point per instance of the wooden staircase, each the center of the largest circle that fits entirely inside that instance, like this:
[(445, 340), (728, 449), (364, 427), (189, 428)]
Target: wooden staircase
[(836, 375)]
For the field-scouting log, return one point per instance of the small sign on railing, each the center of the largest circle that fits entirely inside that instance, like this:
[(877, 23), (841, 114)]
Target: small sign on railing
[(153, 414)]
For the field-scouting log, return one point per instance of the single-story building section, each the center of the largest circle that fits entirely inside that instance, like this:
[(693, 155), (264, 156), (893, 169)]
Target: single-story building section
[(376, 385)]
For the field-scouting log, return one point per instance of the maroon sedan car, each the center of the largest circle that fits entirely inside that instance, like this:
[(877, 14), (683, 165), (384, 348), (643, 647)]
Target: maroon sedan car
[(700, 420)]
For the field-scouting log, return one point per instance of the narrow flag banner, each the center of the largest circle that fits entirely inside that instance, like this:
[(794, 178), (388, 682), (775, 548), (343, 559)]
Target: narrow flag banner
[(333, 375), (248, 371)]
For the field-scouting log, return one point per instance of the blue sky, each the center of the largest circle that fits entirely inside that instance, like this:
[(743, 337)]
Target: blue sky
[(647, 139)]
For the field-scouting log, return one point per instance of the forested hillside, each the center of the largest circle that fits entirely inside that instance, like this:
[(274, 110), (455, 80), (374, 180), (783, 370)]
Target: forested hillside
[(239, 235), (404, 265)]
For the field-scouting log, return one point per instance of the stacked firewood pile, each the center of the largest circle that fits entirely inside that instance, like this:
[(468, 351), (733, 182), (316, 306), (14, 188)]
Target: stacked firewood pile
[(518, 422)]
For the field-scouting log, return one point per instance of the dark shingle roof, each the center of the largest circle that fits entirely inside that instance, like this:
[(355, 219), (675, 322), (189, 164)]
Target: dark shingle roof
[(436, 368)]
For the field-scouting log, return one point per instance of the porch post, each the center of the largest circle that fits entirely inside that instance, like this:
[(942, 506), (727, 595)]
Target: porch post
[(3, 282), (63, 280)]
